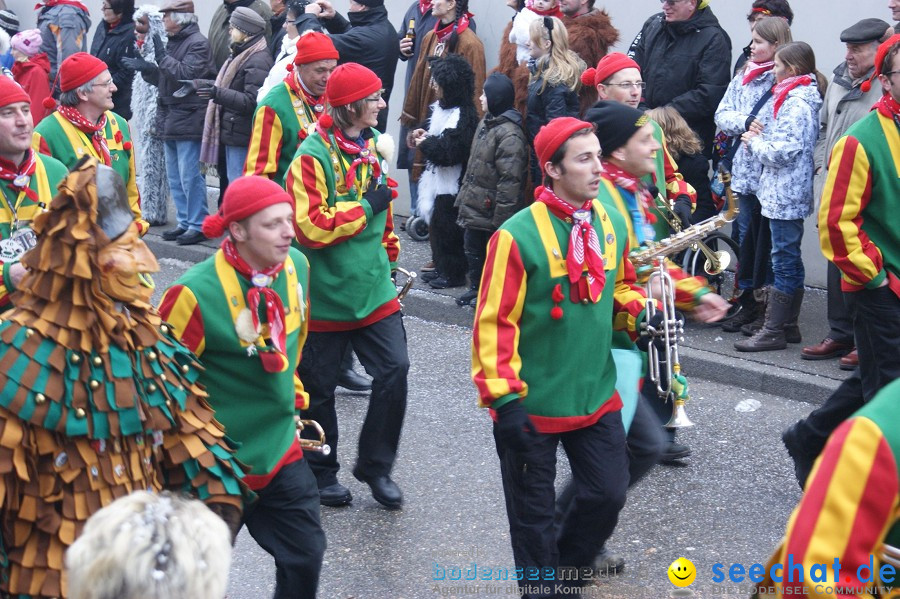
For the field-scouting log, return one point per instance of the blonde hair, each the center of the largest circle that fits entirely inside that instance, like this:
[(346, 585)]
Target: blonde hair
[(149, 546), (680, 138), (774, 30), (560, 66)]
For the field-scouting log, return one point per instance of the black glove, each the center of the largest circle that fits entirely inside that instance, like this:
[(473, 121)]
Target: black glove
[(682, 209), (656, 322), (159, 50), (187, 87), (138, 64), (206, 88), (514, 427), (379, 198)]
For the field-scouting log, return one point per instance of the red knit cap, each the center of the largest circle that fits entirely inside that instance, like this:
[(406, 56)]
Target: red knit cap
[(608, 66), (314, 46), (11, 92), (78, 69), (351, 82), (879, 59), (554, 134), (244, 197)]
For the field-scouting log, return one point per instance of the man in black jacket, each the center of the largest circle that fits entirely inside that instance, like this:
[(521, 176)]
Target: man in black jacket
[(368, 38), (113, 40), (684, 56)]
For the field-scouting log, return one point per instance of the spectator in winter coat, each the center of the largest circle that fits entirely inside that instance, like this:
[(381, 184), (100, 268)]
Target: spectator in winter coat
[(288, 50), (9, 25), (759, 10), (31, 70), (233, 94), (114, 39), (179, 119), (684, 55), (494, 184), (64, 29), (220, 39)]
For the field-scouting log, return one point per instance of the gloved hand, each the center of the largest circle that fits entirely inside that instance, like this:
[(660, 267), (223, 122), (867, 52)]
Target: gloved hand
[(379, 198), (656, 322), (682, 209), (138, 64), (514, 427), (187, 87), (206, 88), (159, 50)]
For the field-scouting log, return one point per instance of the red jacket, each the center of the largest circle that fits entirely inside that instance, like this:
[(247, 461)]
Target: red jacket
[(34, 76)]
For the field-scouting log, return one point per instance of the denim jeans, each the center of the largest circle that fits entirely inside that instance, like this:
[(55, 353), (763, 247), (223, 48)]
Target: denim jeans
[(413, 196), (787, 263), (186, 183), (235, 157)]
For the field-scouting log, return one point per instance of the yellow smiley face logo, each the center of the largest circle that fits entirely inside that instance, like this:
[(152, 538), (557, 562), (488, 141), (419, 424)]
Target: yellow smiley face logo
[(682, 572)]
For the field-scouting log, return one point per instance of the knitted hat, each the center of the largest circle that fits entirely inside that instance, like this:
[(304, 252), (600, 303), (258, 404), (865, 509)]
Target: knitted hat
[(351, 82), (554, 134), (608, 66), (883, 49), (370, 2), (9, 21), (78, 69), (246, 20), (244, 197), (177, 6), (11, 92), (616, 123), (27, 42), (314, 46)]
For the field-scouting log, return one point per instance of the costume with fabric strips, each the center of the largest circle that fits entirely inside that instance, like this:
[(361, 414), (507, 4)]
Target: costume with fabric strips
[(21, 205), (60, 138), (98, 399), (848, 511)]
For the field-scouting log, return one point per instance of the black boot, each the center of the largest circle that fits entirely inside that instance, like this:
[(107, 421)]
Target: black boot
[(750, 309), (771, 335), (349, 379), (752, 328), (792, 327)]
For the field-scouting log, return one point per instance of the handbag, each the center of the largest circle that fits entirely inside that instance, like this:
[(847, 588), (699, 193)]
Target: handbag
[(715, 184)]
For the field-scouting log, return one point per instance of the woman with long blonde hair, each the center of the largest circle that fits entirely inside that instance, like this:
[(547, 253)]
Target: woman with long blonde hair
[(555, 80)]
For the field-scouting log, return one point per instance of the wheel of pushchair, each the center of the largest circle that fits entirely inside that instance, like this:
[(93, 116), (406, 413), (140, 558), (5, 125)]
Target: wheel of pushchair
[(417, 228)]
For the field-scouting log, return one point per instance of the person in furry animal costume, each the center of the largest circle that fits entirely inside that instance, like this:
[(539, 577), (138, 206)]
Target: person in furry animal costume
[(149, 155), (445, 141)]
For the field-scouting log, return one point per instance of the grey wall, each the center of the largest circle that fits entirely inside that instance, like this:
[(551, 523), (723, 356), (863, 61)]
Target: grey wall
[(818, 22)]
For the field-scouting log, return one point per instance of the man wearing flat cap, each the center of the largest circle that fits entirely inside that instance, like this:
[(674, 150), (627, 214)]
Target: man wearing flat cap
[(844, 104)]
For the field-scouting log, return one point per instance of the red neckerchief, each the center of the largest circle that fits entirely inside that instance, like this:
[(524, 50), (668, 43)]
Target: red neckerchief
[(781, 90), (888, 106), (584, 246), (630, 183), (755, 69), (19, 176), (443, 33), (274, 359), (52, 3), (553, 12), (424, 6), (300, 91), (361, 152), (94, 132)]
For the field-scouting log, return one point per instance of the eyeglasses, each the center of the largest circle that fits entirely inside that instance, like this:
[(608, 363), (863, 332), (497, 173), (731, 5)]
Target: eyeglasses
[(670, 2), (376, 98), (627, 85), (105, 8), (106, 84), (889, 73)]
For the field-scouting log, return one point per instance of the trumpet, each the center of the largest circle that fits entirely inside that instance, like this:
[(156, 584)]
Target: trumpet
[(407, 285), (671, 333), (691, 237), (318, 445)]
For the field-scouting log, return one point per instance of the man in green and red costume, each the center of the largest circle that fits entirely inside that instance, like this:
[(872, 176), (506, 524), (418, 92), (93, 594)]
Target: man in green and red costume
[(28, 182), (288, 113), (557, 282), (345, 227), (84, 125), (244, 312)]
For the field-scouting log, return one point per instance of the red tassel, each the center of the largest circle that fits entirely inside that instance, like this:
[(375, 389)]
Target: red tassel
[(394, 194), (118, 136), (49, 103), (392, 183), (290, 67), (557, 295), (213, 226), (326, 121), (556, 313), (127, 145)]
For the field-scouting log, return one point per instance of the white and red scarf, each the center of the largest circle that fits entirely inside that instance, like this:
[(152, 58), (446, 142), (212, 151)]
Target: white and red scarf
[(424, 6), (443, 33), (92, 130), (755, 69), (19, 176), (781, 90), (361, 154)]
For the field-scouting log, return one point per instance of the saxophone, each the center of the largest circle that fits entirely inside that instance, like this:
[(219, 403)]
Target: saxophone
[(692, 237)]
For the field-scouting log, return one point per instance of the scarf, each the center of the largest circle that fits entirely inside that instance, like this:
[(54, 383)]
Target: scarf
[(584, 246), (94, 132), (353, 148), (52, 3), (209, 149), (755, 69), (424, 6), (553, 12), (781, 90), (274, 357), (443, 33), (642, 212), (19, 176), (889, 107)]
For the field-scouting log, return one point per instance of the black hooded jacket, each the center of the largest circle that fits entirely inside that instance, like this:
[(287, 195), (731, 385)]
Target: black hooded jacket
[(111, 45), (685, 65)]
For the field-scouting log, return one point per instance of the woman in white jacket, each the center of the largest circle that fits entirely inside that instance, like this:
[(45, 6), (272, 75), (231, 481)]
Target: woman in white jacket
[(785, 149), (733, 117)]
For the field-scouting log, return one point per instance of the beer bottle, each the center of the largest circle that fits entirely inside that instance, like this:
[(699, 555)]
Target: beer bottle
[(411, 31)]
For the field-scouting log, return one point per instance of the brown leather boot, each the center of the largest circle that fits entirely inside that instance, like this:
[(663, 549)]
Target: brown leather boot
[(771, 335), (750, 310), (752, 328), (792, 327)]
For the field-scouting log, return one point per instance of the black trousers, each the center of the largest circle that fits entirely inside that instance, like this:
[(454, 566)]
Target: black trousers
[(285, 522), (839, 318), (599, 477), (381, 349), (876, 324), (475, 247), (755, 259)]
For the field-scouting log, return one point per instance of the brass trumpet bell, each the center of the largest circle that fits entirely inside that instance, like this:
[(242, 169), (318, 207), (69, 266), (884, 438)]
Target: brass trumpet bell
[(679, 417), (318, 445), (722, 260)]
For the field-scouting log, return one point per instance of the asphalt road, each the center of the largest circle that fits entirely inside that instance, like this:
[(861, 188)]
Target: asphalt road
[(728, 504)]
